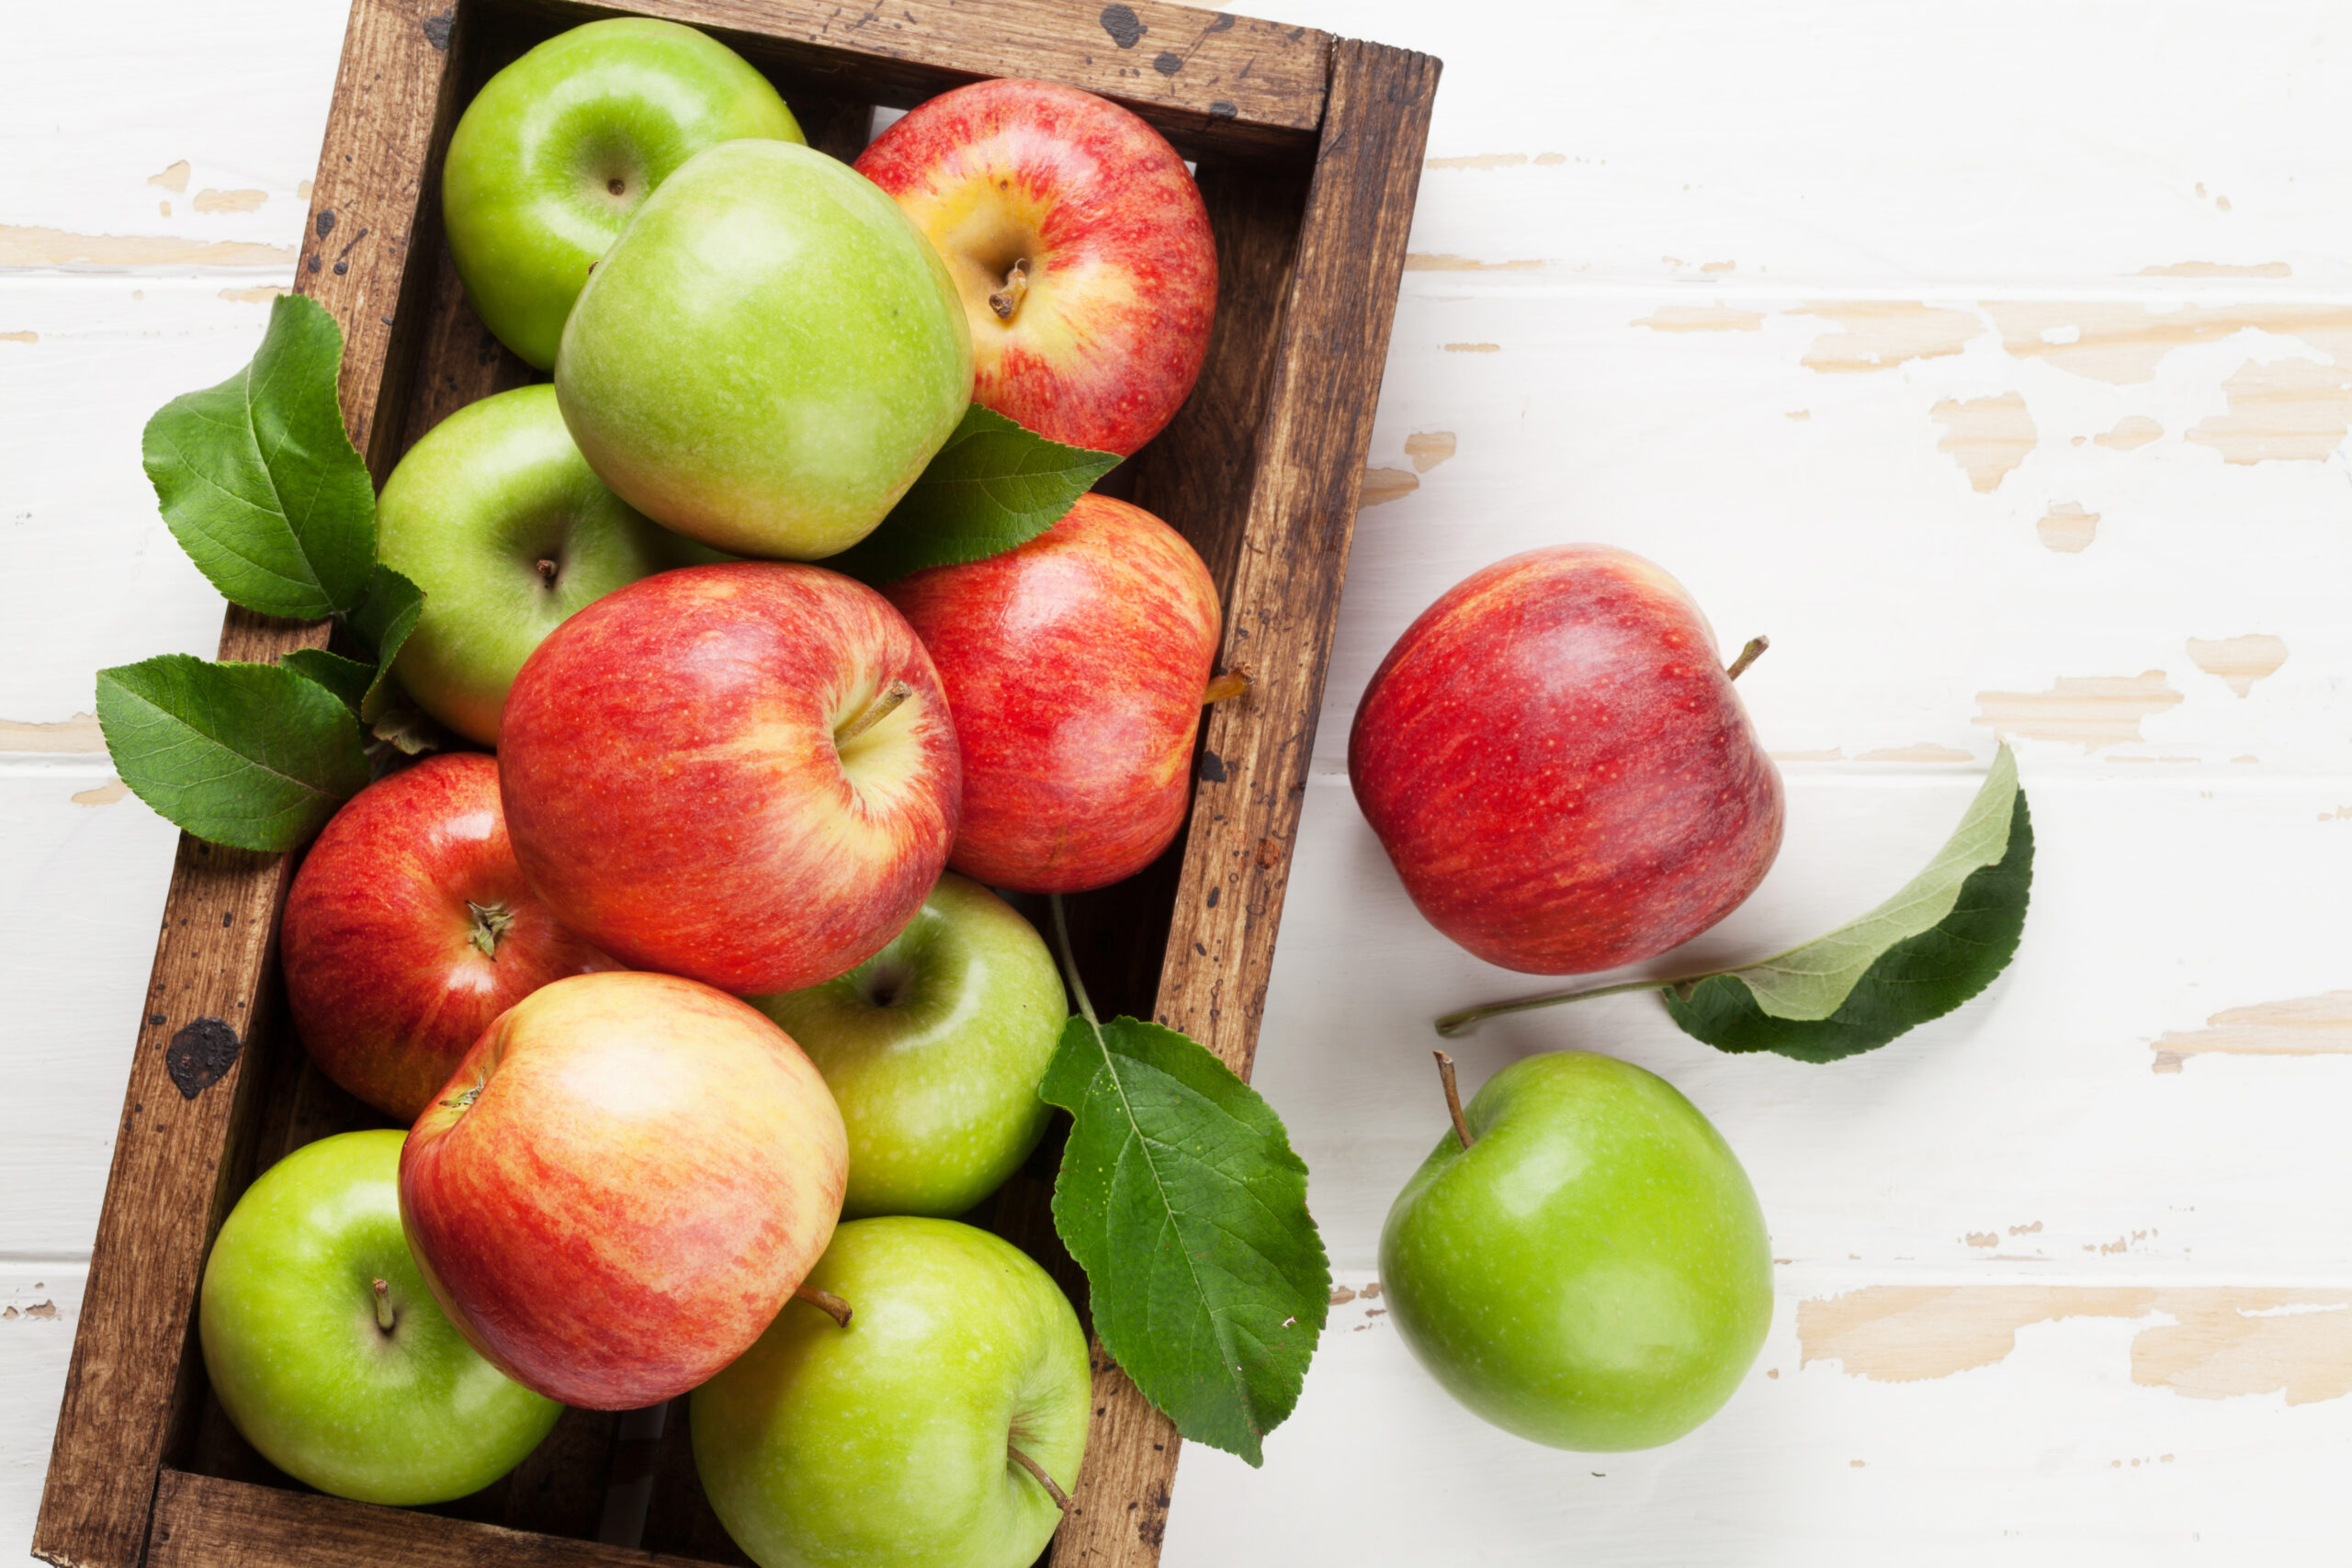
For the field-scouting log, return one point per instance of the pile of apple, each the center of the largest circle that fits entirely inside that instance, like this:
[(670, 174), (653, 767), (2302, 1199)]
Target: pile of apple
[(675, 977)]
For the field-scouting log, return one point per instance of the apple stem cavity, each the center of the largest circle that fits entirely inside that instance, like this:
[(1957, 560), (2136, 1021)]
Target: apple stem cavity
[(1747, 656), (491, 923), (1452, 1097), (1053, 1488), (1454, 1025), (881, 707), (384, 1318), (1069, 962), (831, 1306), (1004, 302), (1232, 683), (548, 570)]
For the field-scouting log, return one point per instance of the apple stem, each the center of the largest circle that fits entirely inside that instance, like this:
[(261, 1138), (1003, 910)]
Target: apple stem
[(1454, 1025), (1069, 962), (1053, 1488), (831, 1306), (1747, 656), (1007, 299), (880, 708), (548, 570), (384, 1305), (1452, 1097), (491, 921), (1232, 683)]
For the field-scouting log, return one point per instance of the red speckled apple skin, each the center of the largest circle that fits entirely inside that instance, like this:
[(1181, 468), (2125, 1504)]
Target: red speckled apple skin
[(1122, 274), (642, 1172), (1559, 769), (1075, 666), (387, 985), (674, 790)]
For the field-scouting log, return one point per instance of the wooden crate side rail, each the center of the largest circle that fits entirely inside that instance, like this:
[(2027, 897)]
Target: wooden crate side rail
[(1280, 614), (190, 1097)]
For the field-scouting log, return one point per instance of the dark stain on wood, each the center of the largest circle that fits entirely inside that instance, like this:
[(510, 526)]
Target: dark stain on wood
[(1213, 767), (438, 27), (202, 1054), (1126, 28)]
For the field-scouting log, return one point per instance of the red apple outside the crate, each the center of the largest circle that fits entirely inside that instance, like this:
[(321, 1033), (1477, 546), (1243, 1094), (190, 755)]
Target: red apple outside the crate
[(1078, 243), (409, 928), (1558, 765), (1075, 665), (620, 1186), (744, 773)]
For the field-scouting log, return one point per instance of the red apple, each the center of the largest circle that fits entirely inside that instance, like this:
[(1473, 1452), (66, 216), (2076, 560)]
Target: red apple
[(1076, 665), (741, 774), (1078, 243), (621, 1185), (1555, 760), (409, 928)]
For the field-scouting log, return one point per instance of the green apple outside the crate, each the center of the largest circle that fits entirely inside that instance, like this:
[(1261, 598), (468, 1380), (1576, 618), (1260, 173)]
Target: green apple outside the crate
[(327, 1352), (934, 1049), (497, 517), (554, 154), (940, 1427)]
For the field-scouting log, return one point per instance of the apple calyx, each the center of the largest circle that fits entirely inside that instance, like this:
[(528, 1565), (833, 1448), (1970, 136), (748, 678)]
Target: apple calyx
[(384, 1317), (1232, 683), (1747, 656), (884, 704), (831, 1306), (1007, 299), (490, 924), (1453, 1098), (1053, 1488)]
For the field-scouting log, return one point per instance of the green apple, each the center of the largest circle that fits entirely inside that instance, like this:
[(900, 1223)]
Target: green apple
[(498, 518), (558, 149), (1591, 1271), (768, 357), (326, 1350), (934, 1048), (904, 1440)]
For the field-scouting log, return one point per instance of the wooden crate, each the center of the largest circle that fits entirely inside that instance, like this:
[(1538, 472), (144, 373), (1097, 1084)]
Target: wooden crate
[(1308, 148)]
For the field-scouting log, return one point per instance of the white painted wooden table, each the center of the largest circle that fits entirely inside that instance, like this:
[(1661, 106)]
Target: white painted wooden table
[(1996, 362)]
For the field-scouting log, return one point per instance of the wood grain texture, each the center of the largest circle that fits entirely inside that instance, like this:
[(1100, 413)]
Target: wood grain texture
[(1281, 606), (129, 1388)]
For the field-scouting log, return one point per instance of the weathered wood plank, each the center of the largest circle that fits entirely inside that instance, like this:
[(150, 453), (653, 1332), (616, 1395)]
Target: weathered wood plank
[(1280, 611), (176, 1153)]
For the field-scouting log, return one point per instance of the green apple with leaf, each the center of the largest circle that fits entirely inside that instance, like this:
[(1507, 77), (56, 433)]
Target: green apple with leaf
[(1581, 1259), (941, 1424), (558, 151), (327, 1352), (498, 518), (934, 1049), (769, 355)]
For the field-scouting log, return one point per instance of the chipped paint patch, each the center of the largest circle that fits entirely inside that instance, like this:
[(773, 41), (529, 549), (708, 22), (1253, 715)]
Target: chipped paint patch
[(261, 294), (210, 200), (2303, 1026), (1988, 437), (1473, 348), (26, 246), (1428, 448), (2130, 433), (2240, 661), (2125, 344), (19, 337), (1981, 1238), (1487, 161), (1382, 486), (106, 793), (1548, 159), (174, 179), (1798, 413), (1445, 261), (2033, 1229), (1924, 751), (1879, 334), (1719, 266), (2217, 270), (2090, 710), (1700, 318), (2067, 528), (2287, 411), (41, 1312), (75, 734)]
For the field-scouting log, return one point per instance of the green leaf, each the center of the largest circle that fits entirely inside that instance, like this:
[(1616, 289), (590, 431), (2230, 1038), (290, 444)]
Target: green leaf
[(382, 619), (258, 480), (348, 679), (1180, 1197), (993, 486), (253, 756), (1916, 957)]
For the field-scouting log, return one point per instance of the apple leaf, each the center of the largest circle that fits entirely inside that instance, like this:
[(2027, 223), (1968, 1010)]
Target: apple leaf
[(253, 756), (258, 480), (1937, 942), (382, 619), (348, 679), (994, 485)]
